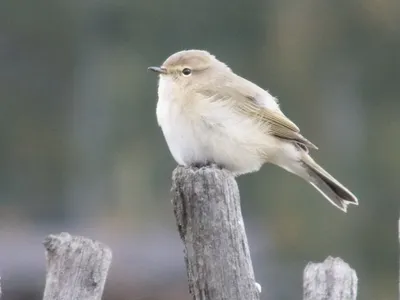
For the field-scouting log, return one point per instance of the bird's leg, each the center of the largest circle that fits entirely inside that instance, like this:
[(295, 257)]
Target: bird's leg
[(216, 166), (198, 165), (205, 164)]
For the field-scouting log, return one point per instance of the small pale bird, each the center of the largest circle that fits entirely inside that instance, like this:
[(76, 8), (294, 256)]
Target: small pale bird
[(210, 115)]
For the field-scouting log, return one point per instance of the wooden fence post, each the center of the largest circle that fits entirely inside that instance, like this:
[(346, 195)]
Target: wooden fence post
[(207, 209), (331, 280), (77, 268)]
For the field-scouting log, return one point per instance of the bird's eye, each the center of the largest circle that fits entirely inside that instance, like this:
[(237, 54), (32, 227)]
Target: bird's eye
[(186, 71)]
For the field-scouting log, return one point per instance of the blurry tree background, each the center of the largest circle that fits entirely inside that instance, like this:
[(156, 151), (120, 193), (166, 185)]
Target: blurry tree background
[(81, 150)]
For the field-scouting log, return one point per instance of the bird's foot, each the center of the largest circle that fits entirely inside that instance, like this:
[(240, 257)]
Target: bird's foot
[(209, 164)]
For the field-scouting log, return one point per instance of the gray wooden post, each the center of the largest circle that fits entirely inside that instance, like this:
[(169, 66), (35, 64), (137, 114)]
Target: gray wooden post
[(399, 252), (331, 280), (207, 209), (77, 268)]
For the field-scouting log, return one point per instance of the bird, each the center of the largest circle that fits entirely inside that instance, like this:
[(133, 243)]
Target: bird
[(210, 115)]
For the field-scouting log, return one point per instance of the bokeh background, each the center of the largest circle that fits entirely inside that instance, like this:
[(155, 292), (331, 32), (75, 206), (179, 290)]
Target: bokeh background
[(81, 151)]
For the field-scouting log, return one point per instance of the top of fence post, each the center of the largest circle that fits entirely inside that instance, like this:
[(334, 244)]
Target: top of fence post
[(331, 280), (77, 268)]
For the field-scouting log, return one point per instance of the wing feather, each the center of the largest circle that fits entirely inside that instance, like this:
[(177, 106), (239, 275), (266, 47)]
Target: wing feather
[(276, 122), (250, 103)]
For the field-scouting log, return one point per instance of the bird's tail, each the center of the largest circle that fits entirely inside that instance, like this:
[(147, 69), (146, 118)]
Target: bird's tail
[(328, 186)]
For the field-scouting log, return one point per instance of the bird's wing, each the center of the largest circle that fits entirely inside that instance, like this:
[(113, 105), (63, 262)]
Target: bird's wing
[(276, 122), (252, 103)]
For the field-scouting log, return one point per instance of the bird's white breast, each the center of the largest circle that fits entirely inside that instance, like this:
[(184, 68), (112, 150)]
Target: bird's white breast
[(210, 132)]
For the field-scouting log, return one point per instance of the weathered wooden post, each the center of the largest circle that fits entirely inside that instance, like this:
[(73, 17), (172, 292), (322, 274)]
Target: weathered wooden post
[(331, 280), (207, 209), (77, 268)]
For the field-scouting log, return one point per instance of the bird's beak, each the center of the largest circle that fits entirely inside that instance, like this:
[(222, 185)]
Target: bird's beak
[(160, 70)]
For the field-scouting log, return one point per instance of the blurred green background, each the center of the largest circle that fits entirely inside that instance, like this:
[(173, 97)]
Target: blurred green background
[(81, 150)]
